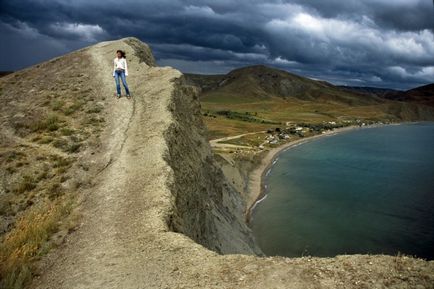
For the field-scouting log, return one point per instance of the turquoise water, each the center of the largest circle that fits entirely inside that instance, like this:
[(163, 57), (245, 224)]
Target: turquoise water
[(364, 191)]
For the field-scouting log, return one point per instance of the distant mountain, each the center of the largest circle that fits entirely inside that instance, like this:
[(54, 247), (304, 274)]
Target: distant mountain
[(422, 95), (376, 91), (260, 82)]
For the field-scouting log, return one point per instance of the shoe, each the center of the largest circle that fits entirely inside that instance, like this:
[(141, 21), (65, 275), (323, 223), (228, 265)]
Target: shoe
[(119, 96)]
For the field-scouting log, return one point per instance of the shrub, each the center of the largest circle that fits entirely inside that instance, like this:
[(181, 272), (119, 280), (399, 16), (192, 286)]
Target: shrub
[(45, 140), (73, 108), (51, 123), (95, 109), (60, 162), (28, 183), (60, 144), (73, 148), (67, 131), (247, 116), (13, 155), (57, 104)]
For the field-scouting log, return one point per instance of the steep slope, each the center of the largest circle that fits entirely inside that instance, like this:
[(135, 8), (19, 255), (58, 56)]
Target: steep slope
[(211, 212), (153, 172), (262, 82)]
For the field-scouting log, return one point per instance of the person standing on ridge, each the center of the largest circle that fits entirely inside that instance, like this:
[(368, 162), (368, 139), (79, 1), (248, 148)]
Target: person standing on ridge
[(120, 70)]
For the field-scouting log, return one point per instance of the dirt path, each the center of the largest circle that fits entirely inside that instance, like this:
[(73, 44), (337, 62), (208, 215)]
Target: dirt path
[(217, 143), (107, 251), (124, 242)]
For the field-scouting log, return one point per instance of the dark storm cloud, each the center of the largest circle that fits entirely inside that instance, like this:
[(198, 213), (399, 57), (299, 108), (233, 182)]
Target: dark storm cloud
[(365, 42), (407, 15)]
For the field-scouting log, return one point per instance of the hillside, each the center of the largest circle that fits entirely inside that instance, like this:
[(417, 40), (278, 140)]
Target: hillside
[(422, 95), (132, 197), (256, 98), (262, 83), (380, 92)]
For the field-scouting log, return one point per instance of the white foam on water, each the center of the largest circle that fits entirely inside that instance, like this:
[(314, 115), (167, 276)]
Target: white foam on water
[(275, 161), (258, 202)]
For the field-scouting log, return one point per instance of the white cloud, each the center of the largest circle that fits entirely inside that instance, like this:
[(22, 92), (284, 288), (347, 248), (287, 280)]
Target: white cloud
[(85, 32), (199, 10), (424, 73), (343, 36), (282, 61), (375, 79), (249, 56)]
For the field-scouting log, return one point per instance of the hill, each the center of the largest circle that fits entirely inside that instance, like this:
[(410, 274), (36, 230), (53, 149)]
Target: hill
[(260, 82), (375, 91), (126, 192), (256, 98), (69, 148), (422, 95)]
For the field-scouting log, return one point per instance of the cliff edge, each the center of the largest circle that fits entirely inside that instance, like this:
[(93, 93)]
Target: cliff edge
[(159, 212)]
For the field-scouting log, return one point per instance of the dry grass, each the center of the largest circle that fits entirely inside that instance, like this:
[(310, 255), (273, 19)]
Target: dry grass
[(28, 183), (50, 115), (221, 127), (50, 123), (27, 241)]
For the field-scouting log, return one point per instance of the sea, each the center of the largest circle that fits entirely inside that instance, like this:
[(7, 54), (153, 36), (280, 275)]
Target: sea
[(364, 191)]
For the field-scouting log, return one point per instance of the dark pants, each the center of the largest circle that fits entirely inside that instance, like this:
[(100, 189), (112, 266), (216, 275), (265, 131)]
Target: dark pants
[(121, 74)]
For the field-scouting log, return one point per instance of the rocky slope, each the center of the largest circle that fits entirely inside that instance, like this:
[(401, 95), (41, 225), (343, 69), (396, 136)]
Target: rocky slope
[(160, 214)]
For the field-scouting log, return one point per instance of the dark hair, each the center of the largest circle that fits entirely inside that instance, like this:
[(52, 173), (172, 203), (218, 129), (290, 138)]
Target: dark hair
[(122, 53)]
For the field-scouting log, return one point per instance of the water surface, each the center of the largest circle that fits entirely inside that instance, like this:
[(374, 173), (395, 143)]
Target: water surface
[(364, 191)]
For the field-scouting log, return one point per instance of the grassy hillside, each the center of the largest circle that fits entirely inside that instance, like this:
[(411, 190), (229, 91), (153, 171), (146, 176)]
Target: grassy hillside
[(270, 97), (52, 117)]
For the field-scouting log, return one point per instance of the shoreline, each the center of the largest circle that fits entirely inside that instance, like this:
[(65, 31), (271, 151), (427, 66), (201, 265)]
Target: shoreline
[(256, 190)]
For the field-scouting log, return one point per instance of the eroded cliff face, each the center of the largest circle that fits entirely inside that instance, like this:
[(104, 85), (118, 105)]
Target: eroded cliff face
[(206, 207)]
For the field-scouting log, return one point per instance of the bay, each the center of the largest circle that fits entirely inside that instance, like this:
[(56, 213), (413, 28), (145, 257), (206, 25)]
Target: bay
[(367, 191)]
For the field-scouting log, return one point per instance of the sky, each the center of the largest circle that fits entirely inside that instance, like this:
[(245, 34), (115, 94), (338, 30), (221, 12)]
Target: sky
[(381, 43)]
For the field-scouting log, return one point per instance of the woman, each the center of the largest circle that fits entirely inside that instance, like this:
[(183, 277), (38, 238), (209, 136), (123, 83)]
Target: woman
[(120, 70)]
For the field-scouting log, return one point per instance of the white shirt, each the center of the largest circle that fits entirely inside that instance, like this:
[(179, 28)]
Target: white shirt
[(120, 63)]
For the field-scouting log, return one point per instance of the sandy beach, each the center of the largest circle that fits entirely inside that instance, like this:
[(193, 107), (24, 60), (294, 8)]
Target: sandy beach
[(255, 182)]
